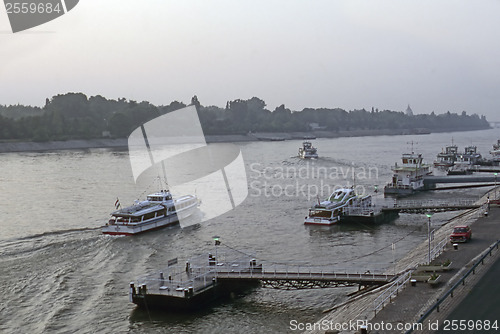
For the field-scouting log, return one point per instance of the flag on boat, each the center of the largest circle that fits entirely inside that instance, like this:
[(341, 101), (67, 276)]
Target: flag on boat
[(117, 203)]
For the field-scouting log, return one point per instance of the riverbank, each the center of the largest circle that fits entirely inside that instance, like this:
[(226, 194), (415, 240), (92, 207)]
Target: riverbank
[(406, 307), (121, 143)]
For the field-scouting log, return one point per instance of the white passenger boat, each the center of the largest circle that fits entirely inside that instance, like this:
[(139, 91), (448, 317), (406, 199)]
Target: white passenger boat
[(341, 201), (308, 151), (158, 210), (408, 177)]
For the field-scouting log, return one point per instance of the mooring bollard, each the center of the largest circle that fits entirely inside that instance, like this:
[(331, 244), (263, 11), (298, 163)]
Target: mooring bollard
[(413, 282), (455, 246)]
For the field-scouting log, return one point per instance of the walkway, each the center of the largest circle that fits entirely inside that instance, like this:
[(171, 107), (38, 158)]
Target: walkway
[(414, 301)]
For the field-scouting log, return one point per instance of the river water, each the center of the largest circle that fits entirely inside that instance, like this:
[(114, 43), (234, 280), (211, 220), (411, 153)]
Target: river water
[(59, 274)]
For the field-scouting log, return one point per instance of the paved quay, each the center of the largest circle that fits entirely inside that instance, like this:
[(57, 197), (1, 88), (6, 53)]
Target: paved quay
[(404, 309), (414, 301)]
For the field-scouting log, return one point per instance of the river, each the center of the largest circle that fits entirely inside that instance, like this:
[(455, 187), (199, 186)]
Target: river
[(59, 274)]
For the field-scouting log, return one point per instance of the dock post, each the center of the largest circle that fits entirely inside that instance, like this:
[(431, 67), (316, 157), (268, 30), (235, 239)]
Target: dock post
[(132, 292)]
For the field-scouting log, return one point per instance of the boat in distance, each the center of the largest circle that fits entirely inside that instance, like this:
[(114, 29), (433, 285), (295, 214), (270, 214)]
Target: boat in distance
[(341, 202), (447, 157), (308, 151), (157, 211)]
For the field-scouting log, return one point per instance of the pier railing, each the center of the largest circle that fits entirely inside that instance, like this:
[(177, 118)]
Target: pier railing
[(391, 291), (403, 279), (434, 203), (305, 277)]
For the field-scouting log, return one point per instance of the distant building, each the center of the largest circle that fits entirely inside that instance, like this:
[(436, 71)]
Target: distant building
[(409, 112)]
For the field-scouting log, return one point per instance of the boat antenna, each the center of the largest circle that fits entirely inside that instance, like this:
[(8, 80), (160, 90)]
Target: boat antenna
[(353, 177), (412, 150)]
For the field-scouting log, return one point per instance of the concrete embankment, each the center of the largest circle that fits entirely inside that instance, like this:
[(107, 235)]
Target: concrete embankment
[(405, 308)]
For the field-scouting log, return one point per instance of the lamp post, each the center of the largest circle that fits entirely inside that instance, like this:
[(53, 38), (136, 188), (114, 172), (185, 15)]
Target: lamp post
[(429, 215), (217, 243), (496, 186)]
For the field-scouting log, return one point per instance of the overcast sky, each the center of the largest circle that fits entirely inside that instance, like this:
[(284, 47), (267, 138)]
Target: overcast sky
[(434, 55)]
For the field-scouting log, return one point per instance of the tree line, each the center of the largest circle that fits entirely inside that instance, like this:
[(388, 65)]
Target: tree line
[(76, 116)]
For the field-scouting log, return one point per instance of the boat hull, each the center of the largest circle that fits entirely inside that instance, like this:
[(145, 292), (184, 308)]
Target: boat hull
[(399, 191), (124, 229), (161, 222), (308, 156), (318, 221)]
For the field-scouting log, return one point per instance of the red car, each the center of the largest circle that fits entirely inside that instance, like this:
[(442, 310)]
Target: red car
[(461, 234)]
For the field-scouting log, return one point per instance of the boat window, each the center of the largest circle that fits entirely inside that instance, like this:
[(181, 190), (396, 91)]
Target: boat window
[(320, 213)]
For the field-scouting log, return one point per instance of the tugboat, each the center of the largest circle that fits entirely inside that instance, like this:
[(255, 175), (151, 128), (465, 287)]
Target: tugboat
[(409, 177), (329, 211), (447, 157), (496, 152), (465, 161), (308, 151), (158, 210)]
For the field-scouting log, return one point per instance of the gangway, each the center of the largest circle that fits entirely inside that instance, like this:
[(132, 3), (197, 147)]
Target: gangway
[(415, 206)]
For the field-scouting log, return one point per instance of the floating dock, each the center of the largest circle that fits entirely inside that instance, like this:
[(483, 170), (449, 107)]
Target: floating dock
[(367, 216), (193, 285)]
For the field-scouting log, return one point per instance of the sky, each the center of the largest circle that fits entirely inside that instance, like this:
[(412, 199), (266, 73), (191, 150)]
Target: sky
[(432, 55)]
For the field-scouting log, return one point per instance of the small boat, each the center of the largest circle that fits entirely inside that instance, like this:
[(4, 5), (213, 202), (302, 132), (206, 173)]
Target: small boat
[(158, 210), (308, 151), (409, 177), (329, 211)]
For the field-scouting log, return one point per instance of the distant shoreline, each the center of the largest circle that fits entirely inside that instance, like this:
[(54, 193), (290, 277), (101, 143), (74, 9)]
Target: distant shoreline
[(121, 143)]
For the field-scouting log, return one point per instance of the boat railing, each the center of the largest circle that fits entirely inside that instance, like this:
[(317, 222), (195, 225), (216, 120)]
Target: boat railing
[(358, 211), (398, 186)]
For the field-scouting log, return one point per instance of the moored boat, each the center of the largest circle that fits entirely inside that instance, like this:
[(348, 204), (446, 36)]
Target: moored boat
[(340, 202), (447, 157), (158, 210), (496, 152), (408, 177), (308, 151)]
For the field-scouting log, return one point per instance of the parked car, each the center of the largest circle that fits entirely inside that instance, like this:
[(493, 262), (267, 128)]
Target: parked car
[(461, 234)]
